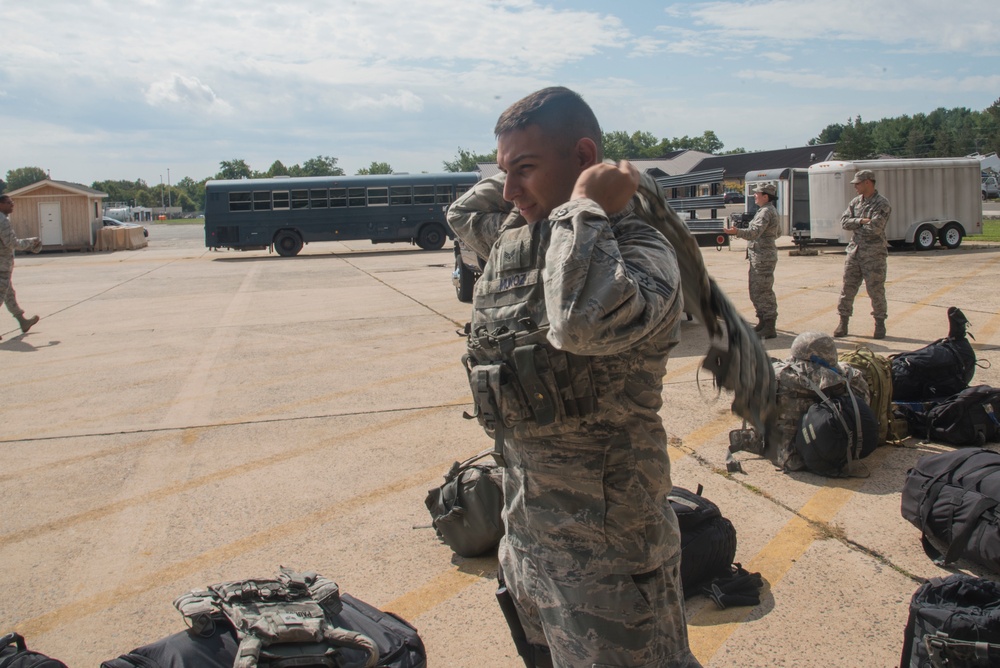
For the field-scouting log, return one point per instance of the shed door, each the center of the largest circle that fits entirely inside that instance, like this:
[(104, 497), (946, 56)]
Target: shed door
[(50, 223)]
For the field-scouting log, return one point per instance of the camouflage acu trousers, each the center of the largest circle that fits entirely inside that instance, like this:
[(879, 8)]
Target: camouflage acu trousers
[(872, 268), (762, 288), (600, 620), (7, 289)]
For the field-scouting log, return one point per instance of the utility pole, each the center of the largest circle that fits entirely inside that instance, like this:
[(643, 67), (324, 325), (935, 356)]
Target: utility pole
[(161, 191), (168, 187)]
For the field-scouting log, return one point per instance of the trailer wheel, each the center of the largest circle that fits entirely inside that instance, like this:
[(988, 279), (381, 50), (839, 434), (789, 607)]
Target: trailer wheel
[(950, 236), (431, 237), (287, 243), (924, 239)]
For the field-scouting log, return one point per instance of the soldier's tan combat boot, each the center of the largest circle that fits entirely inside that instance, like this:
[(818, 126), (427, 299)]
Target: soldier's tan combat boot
[(842, 327), (879, 329), (767, 329), (27, 323)]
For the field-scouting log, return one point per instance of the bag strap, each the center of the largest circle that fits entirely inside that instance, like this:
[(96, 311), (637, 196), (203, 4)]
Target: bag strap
[(840, 416)]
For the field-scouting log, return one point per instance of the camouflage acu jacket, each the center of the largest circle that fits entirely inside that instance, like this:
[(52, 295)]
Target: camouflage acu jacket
[(868, 237)]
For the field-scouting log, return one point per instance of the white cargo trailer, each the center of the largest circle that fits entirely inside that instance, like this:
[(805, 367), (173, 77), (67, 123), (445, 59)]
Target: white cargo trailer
[(792, 186), (933, 200)]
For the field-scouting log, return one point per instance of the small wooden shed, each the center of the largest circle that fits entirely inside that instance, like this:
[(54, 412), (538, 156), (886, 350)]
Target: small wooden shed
[(66, 216)]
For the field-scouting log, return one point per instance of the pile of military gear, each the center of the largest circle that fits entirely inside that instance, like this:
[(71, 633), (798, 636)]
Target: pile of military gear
[(465, 510), (294, 619), (824, 422)]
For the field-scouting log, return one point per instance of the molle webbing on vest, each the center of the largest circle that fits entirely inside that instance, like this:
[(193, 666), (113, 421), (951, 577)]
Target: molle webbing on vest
[(270, 614), (519, 377)]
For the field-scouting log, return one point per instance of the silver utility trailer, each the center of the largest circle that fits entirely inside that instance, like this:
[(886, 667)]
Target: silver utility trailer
[(933, 200)]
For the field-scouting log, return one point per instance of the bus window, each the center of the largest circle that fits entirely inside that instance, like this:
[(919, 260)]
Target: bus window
[(262, 200), (423, 194), (318, 199), (355, 196), (280, 199), (300, 199), (378, 196), (400, 196), (443, 194), (338, 196), (461, 190), (239, 201)]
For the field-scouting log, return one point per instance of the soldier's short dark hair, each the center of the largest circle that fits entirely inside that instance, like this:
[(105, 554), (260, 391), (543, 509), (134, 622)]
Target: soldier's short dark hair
[(5, 198), (557, 110)]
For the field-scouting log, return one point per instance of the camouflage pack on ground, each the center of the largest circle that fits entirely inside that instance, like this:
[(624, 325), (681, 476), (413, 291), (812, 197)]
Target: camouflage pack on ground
[(281, 621)]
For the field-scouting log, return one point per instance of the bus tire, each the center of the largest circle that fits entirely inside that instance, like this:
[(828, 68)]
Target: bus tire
[(288, 243), (431, 237), (950, 235), (924, 239)]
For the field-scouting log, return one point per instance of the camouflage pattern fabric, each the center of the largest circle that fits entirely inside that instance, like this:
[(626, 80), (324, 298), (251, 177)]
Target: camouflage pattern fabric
[(560, 608), (867, 254), (586, 498), (763, 255), (8, 244), (812, 363)]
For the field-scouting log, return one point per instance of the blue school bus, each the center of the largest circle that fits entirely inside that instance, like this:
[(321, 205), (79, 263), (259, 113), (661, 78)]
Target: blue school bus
[(286, 213)]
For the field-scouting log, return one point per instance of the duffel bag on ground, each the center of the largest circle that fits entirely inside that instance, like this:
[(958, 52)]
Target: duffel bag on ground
[(708, 540), (971, 417), (398, 644), (953, 622), (953, 497), (466, 509), (14, 653)]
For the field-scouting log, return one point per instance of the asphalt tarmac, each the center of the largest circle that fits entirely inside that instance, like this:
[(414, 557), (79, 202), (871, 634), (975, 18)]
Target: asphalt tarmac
[(181, 417)]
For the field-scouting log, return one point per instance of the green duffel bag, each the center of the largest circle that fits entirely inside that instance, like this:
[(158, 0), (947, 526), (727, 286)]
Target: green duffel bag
[(465, 510)]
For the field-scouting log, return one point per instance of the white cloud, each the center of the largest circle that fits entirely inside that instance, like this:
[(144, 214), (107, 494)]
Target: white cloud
[(817, 80), (187, 91), (404, 100)]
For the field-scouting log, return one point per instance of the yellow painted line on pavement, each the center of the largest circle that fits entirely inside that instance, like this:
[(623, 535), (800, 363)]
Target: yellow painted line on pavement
[(710, 628), (432, 594)]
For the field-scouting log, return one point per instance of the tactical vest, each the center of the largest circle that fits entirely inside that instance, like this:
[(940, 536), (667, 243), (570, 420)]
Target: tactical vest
[(283, 622), (515, 374)]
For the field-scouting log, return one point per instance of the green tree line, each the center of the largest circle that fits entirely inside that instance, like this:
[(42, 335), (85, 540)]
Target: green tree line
[(941, 133)]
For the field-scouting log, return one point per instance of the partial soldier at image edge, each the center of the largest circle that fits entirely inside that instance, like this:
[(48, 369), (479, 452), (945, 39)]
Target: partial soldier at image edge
[(9, 243)]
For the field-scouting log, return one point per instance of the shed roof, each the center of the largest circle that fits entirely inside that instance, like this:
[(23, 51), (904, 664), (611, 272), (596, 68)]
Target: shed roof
[(74, 188), (738, 164)]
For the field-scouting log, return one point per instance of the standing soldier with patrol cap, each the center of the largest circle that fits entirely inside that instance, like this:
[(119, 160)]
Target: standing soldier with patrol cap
[(8, 244), (763, 255), (867, 254)]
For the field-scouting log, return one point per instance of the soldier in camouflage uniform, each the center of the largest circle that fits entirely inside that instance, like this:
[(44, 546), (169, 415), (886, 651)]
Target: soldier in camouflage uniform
[(812, 363), (867, 254), (762, 253), (8, 244), (591, 551)]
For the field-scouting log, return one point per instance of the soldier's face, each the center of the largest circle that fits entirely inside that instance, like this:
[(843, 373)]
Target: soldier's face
[(865, 188), (541, 171), (6, 206)]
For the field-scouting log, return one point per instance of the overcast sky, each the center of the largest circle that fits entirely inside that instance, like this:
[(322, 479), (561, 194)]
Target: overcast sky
[(127, 89)]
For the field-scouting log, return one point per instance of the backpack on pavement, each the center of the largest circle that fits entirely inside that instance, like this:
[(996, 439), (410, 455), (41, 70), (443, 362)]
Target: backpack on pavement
[(953, 497), (953, 622), (14, 653), (708, 540), (939, 369), (971, 417), (877, 371), (835, 433), (466, 509)]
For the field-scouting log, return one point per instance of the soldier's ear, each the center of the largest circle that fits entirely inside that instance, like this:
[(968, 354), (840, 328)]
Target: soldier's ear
[(585, 152)]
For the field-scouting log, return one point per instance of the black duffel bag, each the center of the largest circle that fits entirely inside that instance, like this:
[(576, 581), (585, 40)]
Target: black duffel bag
[(14, 653), (398, 643), (708, 540), (953, 497), (466, 509), (953, 622)]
